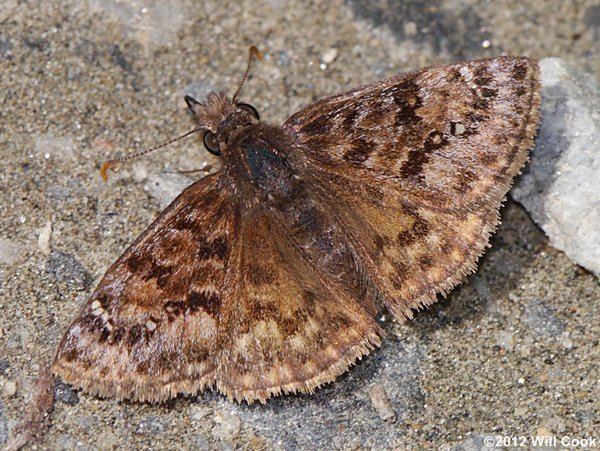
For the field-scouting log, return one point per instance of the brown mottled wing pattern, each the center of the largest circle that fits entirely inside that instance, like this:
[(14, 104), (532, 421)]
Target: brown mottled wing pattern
[(211, 294), (292, 332), (149, 330), (416, 168)]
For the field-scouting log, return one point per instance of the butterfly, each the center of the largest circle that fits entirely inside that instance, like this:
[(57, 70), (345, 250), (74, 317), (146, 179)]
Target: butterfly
[(266, 277)]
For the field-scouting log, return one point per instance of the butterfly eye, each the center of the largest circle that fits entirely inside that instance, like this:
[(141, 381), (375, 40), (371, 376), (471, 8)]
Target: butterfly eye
[(211, 144), (250, 109)]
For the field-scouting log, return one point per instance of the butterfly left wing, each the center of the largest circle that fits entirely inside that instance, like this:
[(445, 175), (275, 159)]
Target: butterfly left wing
[(213, 294), (149, 330), (417, 166)]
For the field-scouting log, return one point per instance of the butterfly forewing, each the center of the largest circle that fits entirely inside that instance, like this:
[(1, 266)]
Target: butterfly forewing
[(419, 164)]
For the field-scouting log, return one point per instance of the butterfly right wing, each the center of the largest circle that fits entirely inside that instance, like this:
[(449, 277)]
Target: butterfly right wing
[(416, 168)]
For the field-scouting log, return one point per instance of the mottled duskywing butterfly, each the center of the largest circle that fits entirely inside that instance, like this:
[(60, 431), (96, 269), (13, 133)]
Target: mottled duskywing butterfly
[(265, 277)]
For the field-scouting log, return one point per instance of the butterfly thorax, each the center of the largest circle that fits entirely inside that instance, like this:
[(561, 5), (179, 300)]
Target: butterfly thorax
[(256, 160)]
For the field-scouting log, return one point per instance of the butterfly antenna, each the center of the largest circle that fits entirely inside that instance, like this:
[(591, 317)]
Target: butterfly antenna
[(110, 163), (253, 52)]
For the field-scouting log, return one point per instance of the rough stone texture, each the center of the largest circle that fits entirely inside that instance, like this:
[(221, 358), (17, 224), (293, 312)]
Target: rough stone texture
[(64, 393), (103, 79), (3, 426), (65, 268), (11, 253), (561, 186)]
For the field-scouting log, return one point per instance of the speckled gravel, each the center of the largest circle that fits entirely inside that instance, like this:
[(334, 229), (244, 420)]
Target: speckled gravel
[(513, 351)]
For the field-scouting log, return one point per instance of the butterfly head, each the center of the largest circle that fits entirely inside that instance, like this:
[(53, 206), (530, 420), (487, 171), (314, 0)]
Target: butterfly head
[(221, 117)]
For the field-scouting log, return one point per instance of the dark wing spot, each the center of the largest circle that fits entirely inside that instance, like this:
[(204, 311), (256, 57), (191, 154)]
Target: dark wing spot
[(475, 118), (454, 75), (435, 140), (401, 274), (359, 151), (407, 99), (488, 158), (418, 158), (70, 354), (174, 309), (425, 262), (104, 334), (405, 238), (520, 71), (91, 323), (216, 248), (489, 92), (349, 118), (420, 227), (260, 275), (482, 81), (117, 335), (136, 334), (521, 91), (480, 104), (466, 179), (318, 126), (208, 302), (163, 274)]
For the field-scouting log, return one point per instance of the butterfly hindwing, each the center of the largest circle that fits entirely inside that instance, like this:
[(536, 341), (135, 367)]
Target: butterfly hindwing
[(290, 331), (417, 166)]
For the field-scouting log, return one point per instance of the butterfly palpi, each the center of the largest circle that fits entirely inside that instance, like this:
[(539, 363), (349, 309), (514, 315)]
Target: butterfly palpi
[(266, 277)]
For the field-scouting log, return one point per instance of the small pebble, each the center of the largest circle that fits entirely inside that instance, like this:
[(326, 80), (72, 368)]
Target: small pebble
[(228, 426), (140, 173), (11, 252), (65, 394), (520, 411), (382, 404), (410, 28), (10, 388), (330, 55), (199, 412), (44, 237)]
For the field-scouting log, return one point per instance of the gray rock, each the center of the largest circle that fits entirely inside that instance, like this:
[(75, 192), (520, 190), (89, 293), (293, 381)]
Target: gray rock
[(166, 186), (381, 403), (11, 252), (315, 421), (542, 319), (65, 268), (560, 188), (65, 394)]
